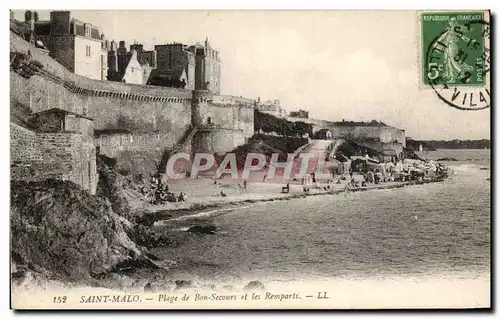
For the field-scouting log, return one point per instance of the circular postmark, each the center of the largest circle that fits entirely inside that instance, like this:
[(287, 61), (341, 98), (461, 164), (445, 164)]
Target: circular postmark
[(457, 65)]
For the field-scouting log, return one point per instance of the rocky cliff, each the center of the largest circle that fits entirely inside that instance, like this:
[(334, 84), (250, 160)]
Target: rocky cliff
[(57, 227)]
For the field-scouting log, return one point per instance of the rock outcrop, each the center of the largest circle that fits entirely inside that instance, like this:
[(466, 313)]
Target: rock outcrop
[(60, 228), (109, 186), (447, 159), (207, 229)]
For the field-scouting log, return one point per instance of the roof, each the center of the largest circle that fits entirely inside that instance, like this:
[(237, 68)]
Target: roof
[(94, 34), (60, 111), (169, 74), (79, 29)]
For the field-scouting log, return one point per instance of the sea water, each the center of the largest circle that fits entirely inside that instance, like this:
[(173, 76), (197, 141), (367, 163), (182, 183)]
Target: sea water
[(438, 230)]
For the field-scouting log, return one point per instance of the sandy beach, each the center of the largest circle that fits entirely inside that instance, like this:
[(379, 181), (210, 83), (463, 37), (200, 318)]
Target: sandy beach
[(203, 194)]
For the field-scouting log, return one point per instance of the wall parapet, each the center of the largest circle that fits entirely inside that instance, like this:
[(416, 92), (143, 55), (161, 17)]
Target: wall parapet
[(55, 72), (230, 101), (202, 96), (24, 146)]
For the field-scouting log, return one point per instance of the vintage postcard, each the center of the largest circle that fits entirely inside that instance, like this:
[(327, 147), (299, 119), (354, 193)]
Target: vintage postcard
[(250, 159)]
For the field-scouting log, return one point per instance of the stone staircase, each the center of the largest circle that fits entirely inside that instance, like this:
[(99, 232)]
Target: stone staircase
[(188, 135), (336, 145)]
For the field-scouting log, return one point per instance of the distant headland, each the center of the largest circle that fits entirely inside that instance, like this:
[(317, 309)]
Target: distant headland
[(432, 145)]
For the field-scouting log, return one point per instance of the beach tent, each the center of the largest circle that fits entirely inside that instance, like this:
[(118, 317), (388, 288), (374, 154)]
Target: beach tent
[(382, 168)]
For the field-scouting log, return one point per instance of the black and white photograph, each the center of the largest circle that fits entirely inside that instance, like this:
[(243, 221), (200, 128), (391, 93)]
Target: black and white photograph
[(250, 159)]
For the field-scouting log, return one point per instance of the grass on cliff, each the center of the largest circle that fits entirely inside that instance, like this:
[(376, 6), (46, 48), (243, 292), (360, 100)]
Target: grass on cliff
[(267, 145), (351, 148)]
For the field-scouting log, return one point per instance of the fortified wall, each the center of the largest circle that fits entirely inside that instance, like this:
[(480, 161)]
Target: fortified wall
[(38, 156), (316, 124), (222, 122), (135, 124), (384, 134)]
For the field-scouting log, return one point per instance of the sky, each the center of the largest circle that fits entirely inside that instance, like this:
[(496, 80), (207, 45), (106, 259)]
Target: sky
[(352, 65)]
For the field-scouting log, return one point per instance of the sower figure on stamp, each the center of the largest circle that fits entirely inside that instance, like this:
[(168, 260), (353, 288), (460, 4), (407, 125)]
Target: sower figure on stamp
[(454, 64)]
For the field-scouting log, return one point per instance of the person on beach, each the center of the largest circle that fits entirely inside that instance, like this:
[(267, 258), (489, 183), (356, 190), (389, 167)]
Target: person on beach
[(350, 186), (370, 177), (244, 185), (286, 189), (182, 197)]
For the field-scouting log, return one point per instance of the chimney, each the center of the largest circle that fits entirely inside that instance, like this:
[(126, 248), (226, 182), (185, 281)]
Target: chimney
[(113, 46), (30, 19), (121, 48), (27, 16)]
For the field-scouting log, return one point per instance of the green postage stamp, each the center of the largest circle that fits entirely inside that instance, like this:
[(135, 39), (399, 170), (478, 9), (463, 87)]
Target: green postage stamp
[(455, 55)]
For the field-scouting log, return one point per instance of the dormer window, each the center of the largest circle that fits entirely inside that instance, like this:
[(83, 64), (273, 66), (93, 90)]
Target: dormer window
[(88, 32)]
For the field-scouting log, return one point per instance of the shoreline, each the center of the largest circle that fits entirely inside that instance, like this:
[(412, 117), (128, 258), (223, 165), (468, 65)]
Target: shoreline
[(176, 213)]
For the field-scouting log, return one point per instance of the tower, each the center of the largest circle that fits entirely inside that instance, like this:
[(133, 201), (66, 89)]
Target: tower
[(208, 67)]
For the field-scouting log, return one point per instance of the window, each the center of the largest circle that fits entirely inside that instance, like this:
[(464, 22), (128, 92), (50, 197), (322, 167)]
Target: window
[(87, 50), (87, 30)]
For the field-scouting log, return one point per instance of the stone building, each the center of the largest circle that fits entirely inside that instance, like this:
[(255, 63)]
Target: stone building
[(104, 57), (75, 44), (300, 114), (377, 135), (175, 66), (208, 67), (271, 107), (195, 67), (59, 145), (129, 66)]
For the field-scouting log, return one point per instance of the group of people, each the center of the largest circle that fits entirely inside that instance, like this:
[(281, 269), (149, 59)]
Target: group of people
[(401, 171), (242, 186), (158, 193)]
